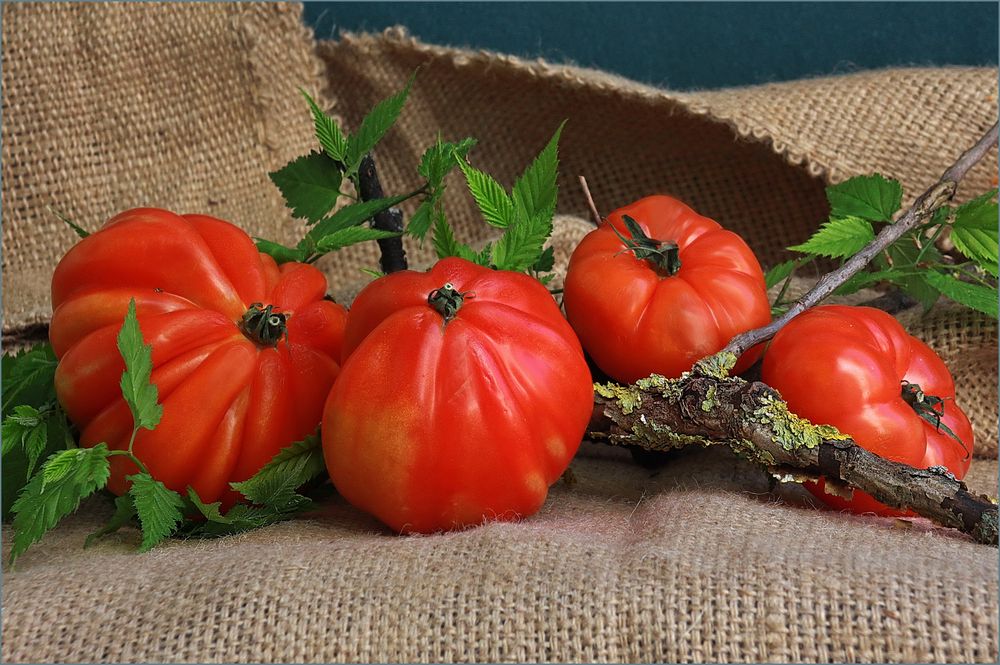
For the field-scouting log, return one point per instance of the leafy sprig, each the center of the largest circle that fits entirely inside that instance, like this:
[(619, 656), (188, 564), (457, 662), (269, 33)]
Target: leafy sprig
[(913, 264)]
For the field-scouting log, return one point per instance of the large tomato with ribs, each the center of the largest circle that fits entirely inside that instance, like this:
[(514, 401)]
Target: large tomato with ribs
[(857, 369), (244, 351), (464, 394)]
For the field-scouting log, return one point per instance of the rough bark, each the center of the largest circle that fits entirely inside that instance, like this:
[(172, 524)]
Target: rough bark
[(393, 256)]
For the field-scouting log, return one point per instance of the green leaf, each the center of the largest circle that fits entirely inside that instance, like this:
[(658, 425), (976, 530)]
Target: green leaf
[(374, 126), (980, 298), (210, 511), (159, 509), (422, 218), (328, 133), (280, 253), (239, 519), (30, 374), (445, 243), (124, 512), (438, 160), (140, 394), (275, 484), (351, 236), (28, 428), (871, 197), (79, 230), (372, 273), (310, 185), (42, 503), (840, 237), (546, 261), (863, 279), (535, 192), (779, 273), (974, 231), (493, 202), (521, 245), (348, 216)]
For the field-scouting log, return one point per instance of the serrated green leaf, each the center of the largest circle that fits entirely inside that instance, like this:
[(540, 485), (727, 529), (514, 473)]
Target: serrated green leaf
[(139, 393), (210, 511), (310, 185), (374, 126), (59, 465), (546, 261), (840, 237), (41, 504), (351, 236), (779, 273), (870, 197), (864, 279), (280, 253), (980, 298), (275, 484), (438, 160), (328, 132), (535, 192), (124, 512), (239, 519), (348, 216), (159, 509), (497, 208), (30, 374), (974, 231), (26, 427), (521, 245), (422, 218), (445, 243), (372, 273)]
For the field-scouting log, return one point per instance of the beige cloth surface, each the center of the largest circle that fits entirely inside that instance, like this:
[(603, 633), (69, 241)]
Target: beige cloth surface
[(691, 563), (109, 106)]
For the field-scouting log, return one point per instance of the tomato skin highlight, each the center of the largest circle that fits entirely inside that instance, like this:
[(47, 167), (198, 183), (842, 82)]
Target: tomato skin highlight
[(435, 426), (634, 321), (229, 403), (844, 366)]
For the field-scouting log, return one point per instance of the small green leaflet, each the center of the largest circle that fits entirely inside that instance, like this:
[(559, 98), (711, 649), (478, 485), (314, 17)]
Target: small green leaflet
[(838, 238), (974, 231), (124, 512), (438, 160), (351, 235), (52, 494), (159, 509), (422, 218), (374, 126), (310, 185), (445, 243), (280, 253), (26, 427), (275, 484), (497, 208), (779, 273), (521, 245), (974, 296), (32, 373), (546, 261), (328, 133), (140, 394), (871, 197), (535, 192), (352, 215)]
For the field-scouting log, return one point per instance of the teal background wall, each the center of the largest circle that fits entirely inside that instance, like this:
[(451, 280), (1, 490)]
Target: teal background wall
[(694, 45)]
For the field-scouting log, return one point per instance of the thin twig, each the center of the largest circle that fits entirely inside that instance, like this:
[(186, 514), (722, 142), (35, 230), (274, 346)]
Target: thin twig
[(595, 216), (922, 209), (393, 257)]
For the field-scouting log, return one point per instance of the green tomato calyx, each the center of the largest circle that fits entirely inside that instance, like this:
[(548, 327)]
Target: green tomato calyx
[(663, 256), (930, 408), (263, 325), (447, 300)]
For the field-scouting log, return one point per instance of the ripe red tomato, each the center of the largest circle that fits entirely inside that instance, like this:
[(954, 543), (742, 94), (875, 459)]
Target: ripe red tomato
[(857, 369), (464, 394), (682, 291), (231, 399)]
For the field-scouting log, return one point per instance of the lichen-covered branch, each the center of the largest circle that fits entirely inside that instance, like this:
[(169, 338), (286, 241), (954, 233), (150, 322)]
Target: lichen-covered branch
[(921, 210), (393, 257), (752, 419)]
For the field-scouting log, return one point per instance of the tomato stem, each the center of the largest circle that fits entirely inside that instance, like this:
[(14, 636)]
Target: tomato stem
[(931, 409), (446, 301), (662, 255), (262, 325)]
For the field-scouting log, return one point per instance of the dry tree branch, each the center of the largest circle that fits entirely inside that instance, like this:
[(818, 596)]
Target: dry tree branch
[(707, 406), (392, 255), (594, 215)]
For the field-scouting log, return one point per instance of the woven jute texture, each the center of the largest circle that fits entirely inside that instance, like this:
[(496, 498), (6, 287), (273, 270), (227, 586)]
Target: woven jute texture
[(108, 106), (694, 563)]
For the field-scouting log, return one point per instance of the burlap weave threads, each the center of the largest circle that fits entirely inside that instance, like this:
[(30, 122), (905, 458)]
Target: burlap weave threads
[(108, 106)]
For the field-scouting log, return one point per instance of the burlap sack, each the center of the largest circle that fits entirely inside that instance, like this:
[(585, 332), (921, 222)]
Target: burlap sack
[(188, 107)]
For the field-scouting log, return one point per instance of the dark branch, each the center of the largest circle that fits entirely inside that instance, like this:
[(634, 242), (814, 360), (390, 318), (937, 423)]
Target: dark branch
[(922, 209), (393, 255)]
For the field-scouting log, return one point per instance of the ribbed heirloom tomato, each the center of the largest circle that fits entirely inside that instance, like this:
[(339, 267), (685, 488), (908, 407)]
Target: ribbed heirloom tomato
[(658, 287), (464, 394), (857, 369), (235, 389)]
